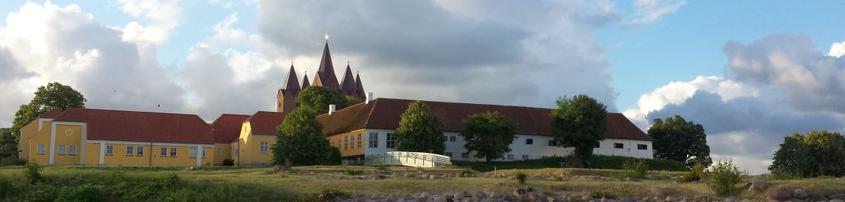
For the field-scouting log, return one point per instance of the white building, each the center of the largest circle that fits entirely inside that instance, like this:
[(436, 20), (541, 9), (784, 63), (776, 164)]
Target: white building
[(367, 129)]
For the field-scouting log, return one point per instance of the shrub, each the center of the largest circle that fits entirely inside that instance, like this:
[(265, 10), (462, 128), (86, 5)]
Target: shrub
[(331, 195), (521, 177), (228, 162), (172, 180), (635, 168), (11, 161), (601, 194), (695, 174), (32, 171), (84, 192), (7, 188), (350, 171), (381, 167), (723, 177)]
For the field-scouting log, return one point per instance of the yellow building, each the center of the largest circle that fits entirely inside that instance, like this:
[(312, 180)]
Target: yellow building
[(226, 129), (257, 136), (96, 137)]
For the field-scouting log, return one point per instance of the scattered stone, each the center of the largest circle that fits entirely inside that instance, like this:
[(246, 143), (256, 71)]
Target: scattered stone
[(731, 199), (779, 194), (660, 191), (837, 196), (432, 176), (758, 185), (799, 193), (586, 198), (668, 198)]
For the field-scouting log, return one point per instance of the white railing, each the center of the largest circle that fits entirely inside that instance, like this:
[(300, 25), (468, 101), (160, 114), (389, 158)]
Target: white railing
[(412, 159)]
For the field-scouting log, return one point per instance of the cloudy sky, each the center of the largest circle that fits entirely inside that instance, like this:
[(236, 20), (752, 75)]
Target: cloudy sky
[(751, 72)]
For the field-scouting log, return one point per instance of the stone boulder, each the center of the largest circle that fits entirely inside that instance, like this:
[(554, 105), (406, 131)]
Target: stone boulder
[(799, 193), (779, 194), (758, 185)]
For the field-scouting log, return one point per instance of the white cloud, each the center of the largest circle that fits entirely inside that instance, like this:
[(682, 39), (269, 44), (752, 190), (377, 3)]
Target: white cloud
[(648, 11), (159, 18), (837, 49)]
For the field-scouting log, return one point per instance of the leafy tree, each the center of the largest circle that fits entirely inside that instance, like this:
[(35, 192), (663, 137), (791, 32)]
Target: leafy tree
[(302, 142), (680, 140), (489, 134), (579, 122), (52, 96), (420, 131), (318, 99), (818, 153), (8, 146)]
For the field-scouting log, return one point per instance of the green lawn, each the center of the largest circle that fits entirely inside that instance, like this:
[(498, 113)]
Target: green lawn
[(252, 184)]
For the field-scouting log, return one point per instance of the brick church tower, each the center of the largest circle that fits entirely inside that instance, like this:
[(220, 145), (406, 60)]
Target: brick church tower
[(350, 86)]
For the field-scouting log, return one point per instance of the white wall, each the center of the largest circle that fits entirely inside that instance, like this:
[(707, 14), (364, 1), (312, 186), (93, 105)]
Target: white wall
[(540, 147)]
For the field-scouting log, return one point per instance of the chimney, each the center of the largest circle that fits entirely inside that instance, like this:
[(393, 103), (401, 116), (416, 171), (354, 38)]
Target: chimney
[(369, 98), (332, 108)]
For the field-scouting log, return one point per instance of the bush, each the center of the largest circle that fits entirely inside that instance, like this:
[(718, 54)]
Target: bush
[(228, 162), (381, 167), (331, 195), (32, 171), (635, 168), (600, 194), (723, 178), (521, 177), (350, 171), (84, 192), (11, 161), (695, 174), (7, 188)]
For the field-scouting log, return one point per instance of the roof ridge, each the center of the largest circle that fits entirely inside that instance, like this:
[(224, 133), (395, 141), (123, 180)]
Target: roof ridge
[(131, 111), (370, 113)]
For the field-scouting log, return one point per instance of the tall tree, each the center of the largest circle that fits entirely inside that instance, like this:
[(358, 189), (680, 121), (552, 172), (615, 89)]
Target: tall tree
[(680, 140), (818, 153), (302, 142), (488, 134), (52, 96), (318, 99), (8, 145), (420, 131), (579, 122)]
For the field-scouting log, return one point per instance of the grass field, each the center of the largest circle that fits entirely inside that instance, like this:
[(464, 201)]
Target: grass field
[(302, 184)]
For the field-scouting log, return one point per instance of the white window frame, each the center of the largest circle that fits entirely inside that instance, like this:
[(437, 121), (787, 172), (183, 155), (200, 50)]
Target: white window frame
[(525, 157), (345, 142), (61, 149), (204, 151), (391, 141), (139, 151), (109, 150), (529, 141), (453, 138), (264, 146), (644, 145), (40, 149), (373, 140), (192, 152), (173, 152), (130, 150), (359, 142), (71, 149), (162, 152), (616, 143)]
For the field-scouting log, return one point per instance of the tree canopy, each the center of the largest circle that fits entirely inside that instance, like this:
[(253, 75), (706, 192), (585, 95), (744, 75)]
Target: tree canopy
[(579, 122), (420, 131), (318, 99), (680, 140), (301, 140), (488, 134), (8, 145), (817, 153), (52, 96)]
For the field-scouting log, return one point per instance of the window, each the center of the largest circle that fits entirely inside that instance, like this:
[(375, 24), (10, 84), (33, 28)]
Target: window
[(525, 157), (203, 152), (391, 141), (373, 143), (452, 138), (597, 144), (510, 156), (61, 149), (449, 154), (130, 150), (173, 152), (140, 151), (345, 142), (618, 145), (109, 150), (264, 147), (359, 141), (642, 146), (192, 152), (39, 149), (163, 152), (529, 141), (465, 155), (71, 149), (219, 152)]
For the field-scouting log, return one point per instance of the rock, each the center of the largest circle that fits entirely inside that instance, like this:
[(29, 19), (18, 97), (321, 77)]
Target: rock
[(758, 185), (586, 198), (837, 200), (731, 199), (837, 196), (432, 176), (799, 193), (660, 192), (779, 194), (645, 199)]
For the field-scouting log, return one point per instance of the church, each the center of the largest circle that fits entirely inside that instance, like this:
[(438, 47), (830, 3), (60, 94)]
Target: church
[(108, 137)]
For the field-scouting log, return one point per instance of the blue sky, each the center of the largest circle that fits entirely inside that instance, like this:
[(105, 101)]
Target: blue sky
[(751, 72)]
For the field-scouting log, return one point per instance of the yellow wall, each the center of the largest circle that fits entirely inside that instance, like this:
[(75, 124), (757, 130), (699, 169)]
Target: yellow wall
[(222, 151), (234, 150), (352, 148), (26, 133), (152, 157), (249, 146), (31, 137), (92, 154), (67, 135)]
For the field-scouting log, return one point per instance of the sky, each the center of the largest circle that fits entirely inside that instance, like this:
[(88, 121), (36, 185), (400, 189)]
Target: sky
[(751, 72)]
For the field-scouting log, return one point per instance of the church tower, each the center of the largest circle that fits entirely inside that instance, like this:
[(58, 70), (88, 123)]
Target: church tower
[(286, 97)]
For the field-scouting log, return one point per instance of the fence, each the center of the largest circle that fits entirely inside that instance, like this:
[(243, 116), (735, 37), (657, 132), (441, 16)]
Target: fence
[(412, 159)]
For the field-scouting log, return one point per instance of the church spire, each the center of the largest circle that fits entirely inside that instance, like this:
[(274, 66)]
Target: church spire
[(325, 74), (347, 85), (291, 83), (360, 87), (305, 83)]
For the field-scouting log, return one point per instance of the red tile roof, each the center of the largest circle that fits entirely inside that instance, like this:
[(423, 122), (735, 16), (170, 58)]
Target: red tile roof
[(265, 123), (50, 114), (135, 126), (384, 113), (227, 127)]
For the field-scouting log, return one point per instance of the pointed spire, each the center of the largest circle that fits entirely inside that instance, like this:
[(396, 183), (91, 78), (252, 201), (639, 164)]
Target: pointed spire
[(291, 82), (305, 83), (347, 85), (360, 87), (326, 71)]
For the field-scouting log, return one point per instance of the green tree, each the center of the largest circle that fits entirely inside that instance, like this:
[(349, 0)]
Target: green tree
[(680, 140), (8, 146), (52, 96), (420, 131), (488, 134), (818, 153), (302, 142), (318, 99), (579, 122)]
